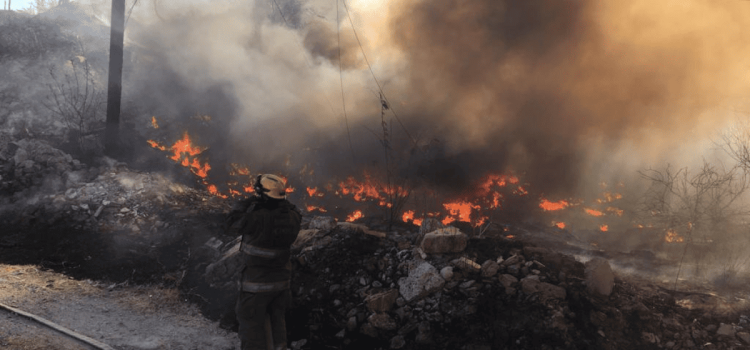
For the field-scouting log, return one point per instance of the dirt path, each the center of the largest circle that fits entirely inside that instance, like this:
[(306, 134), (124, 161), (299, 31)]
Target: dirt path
[(125, 318)]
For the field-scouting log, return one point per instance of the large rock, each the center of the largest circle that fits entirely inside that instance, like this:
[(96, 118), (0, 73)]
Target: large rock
[(546, 291), (446, 240), (311, 239), (599, 277), (726, 330), (355, 228), (381, 302), (466, 264), (382, 321), (325, 223), (744, 336), (424, 279), (489, 269), (226, 271), (430, 225)]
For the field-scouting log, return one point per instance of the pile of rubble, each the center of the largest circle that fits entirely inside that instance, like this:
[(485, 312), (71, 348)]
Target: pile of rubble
[(437, 288), (97, 216)]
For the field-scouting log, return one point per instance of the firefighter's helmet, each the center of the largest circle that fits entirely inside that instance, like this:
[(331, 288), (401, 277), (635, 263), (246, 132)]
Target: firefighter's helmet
[(270, 185)]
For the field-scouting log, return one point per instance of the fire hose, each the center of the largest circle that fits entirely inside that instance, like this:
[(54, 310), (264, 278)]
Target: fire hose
[(93, 342)]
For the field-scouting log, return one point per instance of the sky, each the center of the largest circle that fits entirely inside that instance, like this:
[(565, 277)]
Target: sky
[(18, 4)]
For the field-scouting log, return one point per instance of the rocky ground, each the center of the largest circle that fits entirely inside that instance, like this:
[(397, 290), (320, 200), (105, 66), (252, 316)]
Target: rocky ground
[(138, 261)]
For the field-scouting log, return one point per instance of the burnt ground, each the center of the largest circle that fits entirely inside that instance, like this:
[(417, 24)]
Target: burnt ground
[(103, 234)]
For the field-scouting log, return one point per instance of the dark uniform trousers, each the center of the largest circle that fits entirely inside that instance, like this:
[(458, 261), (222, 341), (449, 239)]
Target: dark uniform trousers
[(252, 311)]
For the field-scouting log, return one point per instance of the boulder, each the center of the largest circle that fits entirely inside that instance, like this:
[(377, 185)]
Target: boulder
[(354, 228), (430, 225), (507, 280), (446, 240), (726, 330), (228, 268), (546, 291), (381, 302), (447, 273), (744, 336), (466, 264), (382, 321), (489, 269), (305, 237), (599, 277), (424, 279), (325, 223)]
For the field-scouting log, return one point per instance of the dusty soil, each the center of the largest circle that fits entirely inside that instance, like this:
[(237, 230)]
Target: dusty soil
[(124, 317)]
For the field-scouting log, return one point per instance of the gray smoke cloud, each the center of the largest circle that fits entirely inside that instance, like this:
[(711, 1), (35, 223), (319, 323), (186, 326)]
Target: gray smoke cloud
[(564, 92)]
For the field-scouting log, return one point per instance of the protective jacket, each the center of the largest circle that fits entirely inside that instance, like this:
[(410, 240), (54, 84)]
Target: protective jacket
[(268, 228)]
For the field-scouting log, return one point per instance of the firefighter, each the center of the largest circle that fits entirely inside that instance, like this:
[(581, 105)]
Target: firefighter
[(269, 224)]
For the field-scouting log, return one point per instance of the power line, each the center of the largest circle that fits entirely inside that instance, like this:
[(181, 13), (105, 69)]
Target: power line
[(341, 80), (309, 65), (380, 88), (130, 12)]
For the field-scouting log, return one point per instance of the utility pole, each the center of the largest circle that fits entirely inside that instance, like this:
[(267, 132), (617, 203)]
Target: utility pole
[(114, 88)]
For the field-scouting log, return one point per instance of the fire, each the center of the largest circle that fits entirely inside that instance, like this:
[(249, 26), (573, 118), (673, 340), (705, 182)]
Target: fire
[(551, 206), (357, 214), (448, 220), (358, 190), (407, 216), (560, 225), (615, 211), (460, 209), (609, 197), (673, 237), (313, 207), (417, 222), (238, 169), (593, 212), (604, 228), (154, 123), (521, 191), (312, 191), (156, 145), (184, 147)]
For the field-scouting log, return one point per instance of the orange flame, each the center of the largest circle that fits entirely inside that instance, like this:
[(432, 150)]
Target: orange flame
[(156, 145), (359, 190), (154, 123), (461, 209), (593, 212), (185, 147), (417, 221), (311, 191), (615, 211), (609, 197), (407, 216), (560, 225), (604, 228), (313, 207), (673, 237), (551, 206), (357, 214)]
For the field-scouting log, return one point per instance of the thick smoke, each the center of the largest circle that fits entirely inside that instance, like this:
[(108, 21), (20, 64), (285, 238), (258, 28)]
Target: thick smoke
[(565, 92), (541, 86)]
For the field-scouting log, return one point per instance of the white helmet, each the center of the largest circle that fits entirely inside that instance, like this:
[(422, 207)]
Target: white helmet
[(270, 185)]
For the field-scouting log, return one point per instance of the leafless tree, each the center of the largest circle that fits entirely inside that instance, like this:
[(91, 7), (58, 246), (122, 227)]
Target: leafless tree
[(704, 205), (78, 101)]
